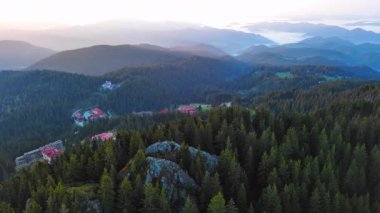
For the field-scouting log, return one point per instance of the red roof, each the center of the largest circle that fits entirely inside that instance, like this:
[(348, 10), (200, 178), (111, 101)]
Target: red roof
[(187, 109), (51, 152), (97, 111), (106, 136), (164, 111)]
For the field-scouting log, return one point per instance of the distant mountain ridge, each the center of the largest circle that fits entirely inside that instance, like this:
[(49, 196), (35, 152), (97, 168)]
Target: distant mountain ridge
[(136, 32), (98, 60), (201, 50), (19, 54), (316, 50), (357, 35)]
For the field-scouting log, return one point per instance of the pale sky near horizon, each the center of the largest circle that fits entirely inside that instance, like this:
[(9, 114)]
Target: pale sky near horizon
[(37, 13)]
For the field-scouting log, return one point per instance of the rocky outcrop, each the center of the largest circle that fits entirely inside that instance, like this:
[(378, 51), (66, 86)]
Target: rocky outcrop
[(161, 168), (171, 176), (171, 147)]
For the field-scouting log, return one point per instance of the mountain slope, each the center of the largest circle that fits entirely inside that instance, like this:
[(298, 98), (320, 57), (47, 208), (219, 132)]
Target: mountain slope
[(97, 60), (153, 87), (266, 79), (19, 54), (201, 50)]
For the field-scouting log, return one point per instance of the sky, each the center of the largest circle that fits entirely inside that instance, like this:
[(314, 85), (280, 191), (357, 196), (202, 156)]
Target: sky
[(48, 13)]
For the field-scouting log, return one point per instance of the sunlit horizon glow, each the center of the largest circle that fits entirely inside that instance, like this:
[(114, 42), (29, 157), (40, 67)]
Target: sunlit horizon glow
[(53, 13)]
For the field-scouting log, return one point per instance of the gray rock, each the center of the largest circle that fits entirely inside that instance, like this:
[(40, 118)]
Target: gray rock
[(166, 147), (171, 176)]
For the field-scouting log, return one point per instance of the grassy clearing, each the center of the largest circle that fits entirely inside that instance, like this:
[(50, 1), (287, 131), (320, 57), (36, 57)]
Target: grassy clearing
[(332, 78), (284, 75)]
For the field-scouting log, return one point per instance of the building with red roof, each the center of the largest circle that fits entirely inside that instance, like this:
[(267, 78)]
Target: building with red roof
[(188, 109), (50, 152), (164, 111), (97, 112), (106, 136)]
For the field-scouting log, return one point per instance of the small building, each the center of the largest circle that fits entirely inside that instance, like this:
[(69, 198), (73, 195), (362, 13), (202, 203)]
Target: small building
[(202, 107), (106, 136), (164, 111), (82, 117), (108, 85), (226, 104), (187, 109)]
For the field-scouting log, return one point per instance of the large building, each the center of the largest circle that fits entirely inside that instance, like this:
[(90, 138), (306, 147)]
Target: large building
[(39, 154), (82, 117)]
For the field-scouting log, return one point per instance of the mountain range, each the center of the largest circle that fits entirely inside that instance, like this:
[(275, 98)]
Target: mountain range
[(316, 50), (356, 35), (19, 54), (98, 60), (137, 32), (101, 59)]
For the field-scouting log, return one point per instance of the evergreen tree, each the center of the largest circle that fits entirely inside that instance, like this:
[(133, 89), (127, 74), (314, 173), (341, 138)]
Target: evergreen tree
[(135, 143), (190, 207), (152, 199), (164, 202), (270, 200), (106, 192), (231, 207), (6, 208), (251, 209), (138, 164), (242, 199), (110, 155), (209, 188), (125, 196), (33, 207), (138, 192), (217, 204), (315, 202), (55, 199)]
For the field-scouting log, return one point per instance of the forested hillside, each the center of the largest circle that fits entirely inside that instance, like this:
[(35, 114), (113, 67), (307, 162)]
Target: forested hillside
[(266, 79), (321, 96), (36, 106), (307, 140), (323, 161), (98, 60)]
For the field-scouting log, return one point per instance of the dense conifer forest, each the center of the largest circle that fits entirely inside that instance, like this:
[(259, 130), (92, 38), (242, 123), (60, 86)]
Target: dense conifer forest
[(292, 142), (325, 160)]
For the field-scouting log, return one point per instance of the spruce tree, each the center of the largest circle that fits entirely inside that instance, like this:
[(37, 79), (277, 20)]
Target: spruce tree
[(151, 199), (242, 199), (6, 208), (270, 200), (315, 202), (217, 204), (190, 206), (33, 207), (231, 207), (125, 196), (106, 192)]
